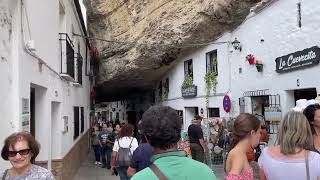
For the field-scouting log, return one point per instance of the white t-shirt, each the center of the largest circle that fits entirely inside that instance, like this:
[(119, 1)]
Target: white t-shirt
[(294, 169), (125, 143)]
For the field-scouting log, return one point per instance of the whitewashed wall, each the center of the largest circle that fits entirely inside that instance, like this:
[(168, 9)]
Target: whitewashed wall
[(8, 72), (20, 71), (277, 26)]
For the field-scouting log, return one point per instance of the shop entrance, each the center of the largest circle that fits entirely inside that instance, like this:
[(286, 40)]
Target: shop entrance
[(190, 112), (308, 94)]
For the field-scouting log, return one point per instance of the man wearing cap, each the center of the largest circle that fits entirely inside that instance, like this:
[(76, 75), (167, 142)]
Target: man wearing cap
[(197, 144)]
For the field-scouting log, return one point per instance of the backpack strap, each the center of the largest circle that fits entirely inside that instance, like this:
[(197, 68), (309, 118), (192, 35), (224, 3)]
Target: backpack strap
[(158, 172), (5, 174), (119, 143), (131, 142)]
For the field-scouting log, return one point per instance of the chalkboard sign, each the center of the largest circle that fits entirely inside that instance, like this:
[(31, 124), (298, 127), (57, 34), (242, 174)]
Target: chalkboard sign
[(189, 91), (298, 60)]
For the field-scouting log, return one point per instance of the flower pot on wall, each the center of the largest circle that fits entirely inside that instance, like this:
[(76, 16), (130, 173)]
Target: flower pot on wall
[(259, 67)]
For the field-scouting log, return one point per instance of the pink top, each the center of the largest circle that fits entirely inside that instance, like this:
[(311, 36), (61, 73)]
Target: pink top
[(247, 175)]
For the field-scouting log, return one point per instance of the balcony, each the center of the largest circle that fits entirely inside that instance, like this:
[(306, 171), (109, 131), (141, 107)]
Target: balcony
[(67, 57)]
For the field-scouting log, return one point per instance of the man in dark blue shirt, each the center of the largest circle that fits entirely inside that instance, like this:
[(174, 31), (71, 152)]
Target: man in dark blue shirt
[(141, 157)]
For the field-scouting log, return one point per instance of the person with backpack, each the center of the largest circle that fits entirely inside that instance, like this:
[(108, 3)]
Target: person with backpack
[(123, 150)]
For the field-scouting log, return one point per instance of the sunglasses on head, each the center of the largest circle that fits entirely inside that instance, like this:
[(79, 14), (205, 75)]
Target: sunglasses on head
[(22, 152)]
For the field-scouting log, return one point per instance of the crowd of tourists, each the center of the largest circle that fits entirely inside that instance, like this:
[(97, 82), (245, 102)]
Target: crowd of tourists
[(295, 155)]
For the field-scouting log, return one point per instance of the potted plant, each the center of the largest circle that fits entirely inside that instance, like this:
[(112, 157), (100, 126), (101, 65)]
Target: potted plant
[(188, 81), (259, 66), (250, 59), (211, 83)]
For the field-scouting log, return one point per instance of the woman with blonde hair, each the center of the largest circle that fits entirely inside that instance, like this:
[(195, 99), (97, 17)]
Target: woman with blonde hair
[(294, 157)]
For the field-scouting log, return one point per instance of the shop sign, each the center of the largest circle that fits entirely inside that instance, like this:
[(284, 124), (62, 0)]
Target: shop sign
[(189, 91), (298, 60)]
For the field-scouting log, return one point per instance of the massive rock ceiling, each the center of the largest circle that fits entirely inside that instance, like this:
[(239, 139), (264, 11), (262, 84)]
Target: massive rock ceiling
[(148, 35)]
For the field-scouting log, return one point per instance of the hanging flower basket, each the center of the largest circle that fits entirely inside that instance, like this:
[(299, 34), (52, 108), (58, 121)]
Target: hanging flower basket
[(250, 59), (259, 67)]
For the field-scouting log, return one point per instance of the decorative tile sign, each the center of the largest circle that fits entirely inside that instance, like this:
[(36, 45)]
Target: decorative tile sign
[(301, 59)]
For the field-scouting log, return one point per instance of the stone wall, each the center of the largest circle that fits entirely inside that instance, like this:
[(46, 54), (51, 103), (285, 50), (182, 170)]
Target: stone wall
[(66, 168)]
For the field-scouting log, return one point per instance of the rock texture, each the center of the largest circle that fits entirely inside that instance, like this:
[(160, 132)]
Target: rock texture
[(149, 35)]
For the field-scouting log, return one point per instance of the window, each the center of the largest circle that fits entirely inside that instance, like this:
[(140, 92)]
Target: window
[(188, 69), (166, 87), (212, 64), (76, 122), (117, 116), (79, 65), (299, 14), (180, 113), (214, 112), (160, 89), (82, 119), (110, 116)]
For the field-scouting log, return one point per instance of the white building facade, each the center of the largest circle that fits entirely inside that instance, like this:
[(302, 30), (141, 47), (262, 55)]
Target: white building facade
[(285, 31), (45, 71)]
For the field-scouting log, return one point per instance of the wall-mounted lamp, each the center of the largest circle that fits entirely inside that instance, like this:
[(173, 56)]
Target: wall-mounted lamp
[(236, 44)]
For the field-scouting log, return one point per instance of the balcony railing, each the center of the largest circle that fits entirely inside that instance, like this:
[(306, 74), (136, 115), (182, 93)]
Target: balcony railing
[(67, 57)]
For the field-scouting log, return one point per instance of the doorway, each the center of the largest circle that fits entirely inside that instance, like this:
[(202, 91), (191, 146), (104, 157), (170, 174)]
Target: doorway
[(54, 144), (310, 93), (32, 112), (190, 112), (132, 117)]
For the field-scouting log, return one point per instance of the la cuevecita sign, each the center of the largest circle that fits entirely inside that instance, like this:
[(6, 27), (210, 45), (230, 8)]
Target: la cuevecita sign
[(298, 60)]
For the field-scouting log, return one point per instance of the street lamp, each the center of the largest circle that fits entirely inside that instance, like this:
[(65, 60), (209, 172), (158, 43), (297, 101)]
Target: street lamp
[(236, 44)]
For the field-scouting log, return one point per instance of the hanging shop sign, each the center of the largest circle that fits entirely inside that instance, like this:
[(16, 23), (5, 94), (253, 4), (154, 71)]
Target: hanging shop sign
[(226, 103), (189, 91), (301, 59)]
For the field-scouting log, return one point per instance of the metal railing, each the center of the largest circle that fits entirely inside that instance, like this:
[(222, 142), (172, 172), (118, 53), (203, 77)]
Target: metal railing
[(67, 56)]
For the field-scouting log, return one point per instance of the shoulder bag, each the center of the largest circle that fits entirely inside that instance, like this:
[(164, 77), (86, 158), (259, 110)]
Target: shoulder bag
[(158, 172), (307, 164)]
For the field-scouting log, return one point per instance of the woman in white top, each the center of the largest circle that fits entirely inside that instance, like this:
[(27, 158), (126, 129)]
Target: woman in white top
[(123, 149), (295, 156)]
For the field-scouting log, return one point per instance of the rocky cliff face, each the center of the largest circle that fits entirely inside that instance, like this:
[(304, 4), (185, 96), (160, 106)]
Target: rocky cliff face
[(147, 35)]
